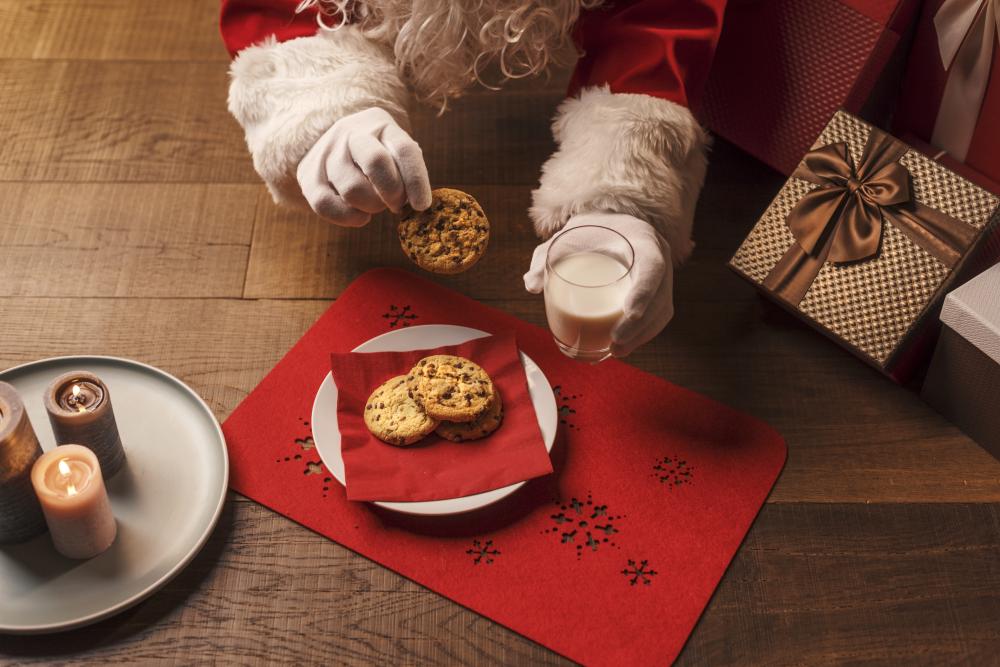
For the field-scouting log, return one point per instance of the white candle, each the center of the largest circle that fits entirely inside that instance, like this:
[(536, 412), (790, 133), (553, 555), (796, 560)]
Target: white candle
[(70, 488)]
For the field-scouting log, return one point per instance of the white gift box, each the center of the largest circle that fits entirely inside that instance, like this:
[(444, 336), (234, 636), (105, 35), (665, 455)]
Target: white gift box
[(963, 382)]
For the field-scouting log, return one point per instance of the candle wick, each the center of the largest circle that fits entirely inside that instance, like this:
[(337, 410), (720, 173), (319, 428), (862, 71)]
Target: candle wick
[(71, 489)]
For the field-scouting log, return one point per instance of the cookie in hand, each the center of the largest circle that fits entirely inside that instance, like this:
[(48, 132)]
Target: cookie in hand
[(447, 238)]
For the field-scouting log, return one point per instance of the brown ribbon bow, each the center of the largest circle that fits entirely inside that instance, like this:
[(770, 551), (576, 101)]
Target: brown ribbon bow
[(841, 220)]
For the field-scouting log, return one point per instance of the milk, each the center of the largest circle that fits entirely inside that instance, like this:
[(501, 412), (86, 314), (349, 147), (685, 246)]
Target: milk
[(584, 294)]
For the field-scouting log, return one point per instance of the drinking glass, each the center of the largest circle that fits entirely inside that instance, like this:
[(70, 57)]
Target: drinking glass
[(587, 276)]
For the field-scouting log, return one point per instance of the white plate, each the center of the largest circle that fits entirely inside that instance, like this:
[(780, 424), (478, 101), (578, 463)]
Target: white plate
[(327, 435), (167, 499)]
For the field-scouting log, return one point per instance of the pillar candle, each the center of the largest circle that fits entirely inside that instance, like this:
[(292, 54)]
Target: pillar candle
[(79, 407), (71, 490), (20, 514)]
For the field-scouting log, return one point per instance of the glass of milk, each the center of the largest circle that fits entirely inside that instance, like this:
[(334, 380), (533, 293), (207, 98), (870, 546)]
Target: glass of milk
[(587, 275)]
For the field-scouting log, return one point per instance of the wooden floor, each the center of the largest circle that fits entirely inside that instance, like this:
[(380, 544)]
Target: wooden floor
[(132, 223)]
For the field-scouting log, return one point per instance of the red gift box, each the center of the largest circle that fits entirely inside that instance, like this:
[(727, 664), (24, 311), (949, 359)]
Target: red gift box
[(949, 124), (784, 67)]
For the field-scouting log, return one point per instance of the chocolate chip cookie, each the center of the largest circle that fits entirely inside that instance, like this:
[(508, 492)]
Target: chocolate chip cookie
[(447, 238), (451, 388), (393, 416), (480, 427)]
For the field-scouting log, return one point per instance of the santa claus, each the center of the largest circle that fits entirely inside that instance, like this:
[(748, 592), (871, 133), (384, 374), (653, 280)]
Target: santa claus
[(321, 86)]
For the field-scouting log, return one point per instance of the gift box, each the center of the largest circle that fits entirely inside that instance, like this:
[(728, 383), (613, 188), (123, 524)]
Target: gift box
[(865, 238), (964, 375), (783, 67), (951, 91)]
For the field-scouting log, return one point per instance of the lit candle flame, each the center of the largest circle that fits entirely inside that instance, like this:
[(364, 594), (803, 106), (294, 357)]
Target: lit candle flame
[(65, 471), (76, 398)]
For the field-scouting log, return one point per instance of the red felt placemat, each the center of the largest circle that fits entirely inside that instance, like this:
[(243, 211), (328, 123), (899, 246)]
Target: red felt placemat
[(435, 468), (609, 560)]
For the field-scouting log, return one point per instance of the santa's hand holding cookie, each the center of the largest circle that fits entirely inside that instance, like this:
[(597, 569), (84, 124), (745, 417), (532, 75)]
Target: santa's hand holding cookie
[(320, 88)]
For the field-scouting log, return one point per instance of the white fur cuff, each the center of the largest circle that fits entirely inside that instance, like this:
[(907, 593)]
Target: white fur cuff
[(286, 95), (623, 153)]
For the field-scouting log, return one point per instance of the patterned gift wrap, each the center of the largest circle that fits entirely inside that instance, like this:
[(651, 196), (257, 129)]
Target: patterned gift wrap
[(874, 303)]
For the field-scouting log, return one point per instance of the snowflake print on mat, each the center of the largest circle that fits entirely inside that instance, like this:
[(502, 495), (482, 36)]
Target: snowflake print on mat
[(483, 552), (566, 410), (311, 468), (399, 316), (673, 472), (639, 572), (584, 525)]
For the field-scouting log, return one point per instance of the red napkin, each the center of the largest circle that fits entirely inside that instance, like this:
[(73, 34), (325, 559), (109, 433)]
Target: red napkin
[(609, 561), (435, 468)]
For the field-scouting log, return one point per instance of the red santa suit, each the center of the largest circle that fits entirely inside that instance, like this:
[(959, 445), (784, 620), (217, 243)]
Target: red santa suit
[(628, 141)]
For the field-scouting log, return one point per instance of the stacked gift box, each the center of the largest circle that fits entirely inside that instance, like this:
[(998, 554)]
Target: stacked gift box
[(873, 231), (965, 372)]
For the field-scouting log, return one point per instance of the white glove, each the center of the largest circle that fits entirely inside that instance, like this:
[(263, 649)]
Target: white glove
[(364, 164), (649, 303)]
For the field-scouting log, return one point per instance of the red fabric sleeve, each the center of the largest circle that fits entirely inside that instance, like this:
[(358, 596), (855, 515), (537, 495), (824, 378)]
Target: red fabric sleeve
[(244, 23), (662, 48)]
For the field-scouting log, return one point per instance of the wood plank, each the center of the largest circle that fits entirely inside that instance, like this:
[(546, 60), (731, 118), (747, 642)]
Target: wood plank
[(118, 121), (221, 347), (111, 30), (124, 240), (813, 584), (84, 121), (858, 584), (301, 255), (874, 443)]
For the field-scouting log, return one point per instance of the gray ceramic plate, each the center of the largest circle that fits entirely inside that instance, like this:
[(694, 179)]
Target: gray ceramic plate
[(166, 499)]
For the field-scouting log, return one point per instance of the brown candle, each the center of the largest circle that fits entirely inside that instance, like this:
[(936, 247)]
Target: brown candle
[(20, 515), (79, 407)]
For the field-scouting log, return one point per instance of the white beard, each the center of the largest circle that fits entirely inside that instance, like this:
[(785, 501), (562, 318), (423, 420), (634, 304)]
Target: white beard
[(443, 46)]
